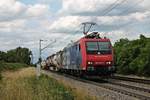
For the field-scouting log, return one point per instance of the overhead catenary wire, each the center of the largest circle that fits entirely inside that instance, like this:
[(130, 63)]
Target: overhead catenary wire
[(129, 8), (113, 6), (129, 23), (118, 27), (110, 8), (105, 12), (63, 39), (124, 25), (48, 45)]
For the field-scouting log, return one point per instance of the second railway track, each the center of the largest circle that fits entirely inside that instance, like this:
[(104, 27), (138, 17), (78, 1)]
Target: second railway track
[(130, 86), (132, 91), (138, 80)]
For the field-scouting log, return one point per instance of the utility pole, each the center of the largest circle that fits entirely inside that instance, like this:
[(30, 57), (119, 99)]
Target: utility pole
[(31, 56), (40, 59), (38, 66)]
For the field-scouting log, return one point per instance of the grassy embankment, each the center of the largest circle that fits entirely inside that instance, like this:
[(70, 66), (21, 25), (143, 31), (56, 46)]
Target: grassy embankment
[(10, 66), (23, 85)]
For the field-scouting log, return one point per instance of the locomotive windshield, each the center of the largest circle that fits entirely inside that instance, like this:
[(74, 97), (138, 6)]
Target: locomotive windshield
[(98, 47), (92, 46)]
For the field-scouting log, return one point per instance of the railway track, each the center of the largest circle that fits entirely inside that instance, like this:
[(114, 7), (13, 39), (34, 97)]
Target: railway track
[(129, 90), (138, 80), (126, 92), (133, 91), (130, 86)]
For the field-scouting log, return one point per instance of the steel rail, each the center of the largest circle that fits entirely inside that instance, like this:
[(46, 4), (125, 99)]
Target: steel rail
[(130, 86), (106, 86), (138, 80)]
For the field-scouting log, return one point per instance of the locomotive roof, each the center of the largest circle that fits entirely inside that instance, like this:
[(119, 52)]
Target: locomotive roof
[(94, 36), (94, 39)]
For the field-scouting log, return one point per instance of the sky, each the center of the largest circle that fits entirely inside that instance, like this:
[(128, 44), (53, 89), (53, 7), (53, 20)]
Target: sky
[(24, 22)]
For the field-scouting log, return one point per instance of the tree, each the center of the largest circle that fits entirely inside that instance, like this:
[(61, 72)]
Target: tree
[(21, 55), (2, 56), (133, 57)]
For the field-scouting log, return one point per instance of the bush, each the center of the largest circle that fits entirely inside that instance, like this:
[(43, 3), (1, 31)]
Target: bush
[(18, 55), (48, 88), (0, 76), (26, 86), (1, 64), (133, 57), (11, 66)]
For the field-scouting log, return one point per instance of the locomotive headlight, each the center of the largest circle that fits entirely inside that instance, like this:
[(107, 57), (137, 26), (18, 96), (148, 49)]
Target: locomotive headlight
[(109, 62), (89, 62)]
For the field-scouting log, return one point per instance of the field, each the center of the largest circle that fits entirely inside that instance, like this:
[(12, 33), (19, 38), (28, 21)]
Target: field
[(23, 85), (11, 66), (4, 66)]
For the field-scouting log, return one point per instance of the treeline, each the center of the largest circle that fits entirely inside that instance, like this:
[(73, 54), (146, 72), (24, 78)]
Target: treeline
[(14, 59), (133, 57), (18, 55)]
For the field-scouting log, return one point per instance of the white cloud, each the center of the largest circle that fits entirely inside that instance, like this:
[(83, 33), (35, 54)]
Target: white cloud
[(13, 9), (66, 23), (141, 16), (70, 23), (24, 24), (16, 19), (8, 26), (100, 7), (78, 6), (37, 10)]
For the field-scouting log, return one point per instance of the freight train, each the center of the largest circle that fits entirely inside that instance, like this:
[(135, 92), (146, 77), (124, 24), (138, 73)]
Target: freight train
[(90, 55)]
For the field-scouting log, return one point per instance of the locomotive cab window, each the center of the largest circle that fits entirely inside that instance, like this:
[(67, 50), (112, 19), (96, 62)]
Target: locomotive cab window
[(98, 47), (104, 46), (92, 46)]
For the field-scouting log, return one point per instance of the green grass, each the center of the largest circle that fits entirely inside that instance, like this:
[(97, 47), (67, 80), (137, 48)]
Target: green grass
[(23, 85), (0, 76), (47, 89), (11, 66)]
